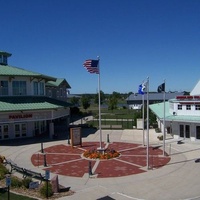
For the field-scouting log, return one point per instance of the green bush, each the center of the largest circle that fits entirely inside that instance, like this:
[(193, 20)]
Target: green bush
[(26, 181), (160, 137), (43, 190), (16, 182), (3, 171)]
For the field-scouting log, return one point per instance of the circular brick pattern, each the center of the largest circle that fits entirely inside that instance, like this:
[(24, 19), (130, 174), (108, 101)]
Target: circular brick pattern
[(64, 160)]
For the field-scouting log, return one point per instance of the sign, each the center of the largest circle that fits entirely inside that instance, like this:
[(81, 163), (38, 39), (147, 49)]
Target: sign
[(33, 185), (20, 116), (75, 134), (47, 174), (8, 181)]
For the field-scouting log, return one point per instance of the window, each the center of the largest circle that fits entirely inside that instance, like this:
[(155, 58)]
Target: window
[(49, 93), (19, 87), (3, 59), (4, 88), (17, 130), (41, 88), (197, 107), (38, 88), (179, 107), (61, 92), (23, 127), (35, 88), (5, 131), (188, 107)]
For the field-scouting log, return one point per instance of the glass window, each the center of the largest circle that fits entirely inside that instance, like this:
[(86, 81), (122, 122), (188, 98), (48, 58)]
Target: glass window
[(1, 59), (17, 130), (19, 87), (4, 88), (188, 107), (61, 92), (179, 107), (5, 131), (5, 59), (197, 107), (23, 129), (35, 88), (41, 85)]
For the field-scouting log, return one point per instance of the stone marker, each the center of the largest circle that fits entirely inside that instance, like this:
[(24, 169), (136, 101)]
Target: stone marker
[(55, 184)]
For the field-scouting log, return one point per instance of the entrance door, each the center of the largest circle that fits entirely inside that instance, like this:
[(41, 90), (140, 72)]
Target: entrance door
[(197, 132), (187, 131), (181, 130)]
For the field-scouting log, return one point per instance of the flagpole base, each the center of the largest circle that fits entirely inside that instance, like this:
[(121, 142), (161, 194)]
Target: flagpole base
[(101, 149)]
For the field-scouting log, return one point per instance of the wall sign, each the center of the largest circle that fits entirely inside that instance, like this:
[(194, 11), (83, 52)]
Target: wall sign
[(76, 138), (20, 116)]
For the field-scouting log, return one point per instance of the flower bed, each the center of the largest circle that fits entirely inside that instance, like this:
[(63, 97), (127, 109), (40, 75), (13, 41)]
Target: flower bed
[(96, 154)]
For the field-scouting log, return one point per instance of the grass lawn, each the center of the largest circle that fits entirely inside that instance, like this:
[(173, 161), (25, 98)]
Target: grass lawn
[(4, 196)]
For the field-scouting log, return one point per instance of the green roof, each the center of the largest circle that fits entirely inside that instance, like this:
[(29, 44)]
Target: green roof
[(6, 70), (5, 53), (25, 103), (158, 110), (57, 83)]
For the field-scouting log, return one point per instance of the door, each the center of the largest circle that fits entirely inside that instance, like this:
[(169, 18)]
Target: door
[(197, 132), (181, 130), (187, 131)]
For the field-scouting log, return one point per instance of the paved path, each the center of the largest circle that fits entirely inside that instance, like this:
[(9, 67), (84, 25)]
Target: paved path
[(178, 179)]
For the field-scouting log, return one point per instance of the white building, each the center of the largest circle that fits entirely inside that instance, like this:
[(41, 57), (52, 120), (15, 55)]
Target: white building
[(25, 109), (182, 115)]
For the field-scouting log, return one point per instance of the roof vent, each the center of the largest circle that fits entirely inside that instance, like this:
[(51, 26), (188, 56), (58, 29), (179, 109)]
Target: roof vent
[(4, 57)]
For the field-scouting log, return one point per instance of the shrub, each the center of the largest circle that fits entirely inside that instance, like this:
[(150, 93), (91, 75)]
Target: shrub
[(160, 137), (43, 190), (26, 181), (2, 158), (16, 182), (3, 171)]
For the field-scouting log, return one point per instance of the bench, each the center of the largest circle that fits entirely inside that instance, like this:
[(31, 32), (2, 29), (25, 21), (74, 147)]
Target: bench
[(119, 126), (17, 168), (14, 166), (34, 174)]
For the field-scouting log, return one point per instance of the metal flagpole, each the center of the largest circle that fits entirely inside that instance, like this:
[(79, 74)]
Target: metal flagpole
[(100, 131), (147, 123), (143, 118), (164, 133)]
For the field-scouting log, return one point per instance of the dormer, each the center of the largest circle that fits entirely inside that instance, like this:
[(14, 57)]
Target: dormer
[(4, 57)]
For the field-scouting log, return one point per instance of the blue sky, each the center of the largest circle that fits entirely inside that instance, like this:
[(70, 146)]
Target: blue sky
[(135, 39)]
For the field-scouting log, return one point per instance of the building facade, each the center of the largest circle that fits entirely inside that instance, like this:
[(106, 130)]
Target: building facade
[(134, 101), (25, 108), (182, 116)]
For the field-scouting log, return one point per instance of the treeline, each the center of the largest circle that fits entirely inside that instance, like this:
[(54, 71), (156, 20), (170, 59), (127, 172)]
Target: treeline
[(111, 100)]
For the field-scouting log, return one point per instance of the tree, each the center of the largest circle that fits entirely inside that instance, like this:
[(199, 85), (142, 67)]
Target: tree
[(85, 102), (112, 102), (102, 98), (75, 101)]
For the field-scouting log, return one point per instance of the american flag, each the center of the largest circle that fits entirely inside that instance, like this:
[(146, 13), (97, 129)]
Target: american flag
[(92, 66)]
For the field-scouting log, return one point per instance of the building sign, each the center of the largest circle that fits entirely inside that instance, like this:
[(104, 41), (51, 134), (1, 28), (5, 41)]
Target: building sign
[(20, 116), (75, 134)]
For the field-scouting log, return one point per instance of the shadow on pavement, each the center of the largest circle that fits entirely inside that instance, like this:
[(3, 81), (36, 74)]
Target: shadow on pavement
[(45, 138)]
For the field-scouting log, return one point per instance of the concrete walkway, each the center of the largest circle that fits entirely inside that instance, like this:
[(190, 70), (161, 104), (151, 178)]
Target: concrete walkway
[(179, 179)]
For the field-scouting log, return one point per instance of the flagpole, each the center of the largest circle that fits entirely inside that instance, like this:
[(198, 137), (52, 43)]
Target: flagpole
[(164, 134), (147, 122), (100, 131), (143, 118)]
